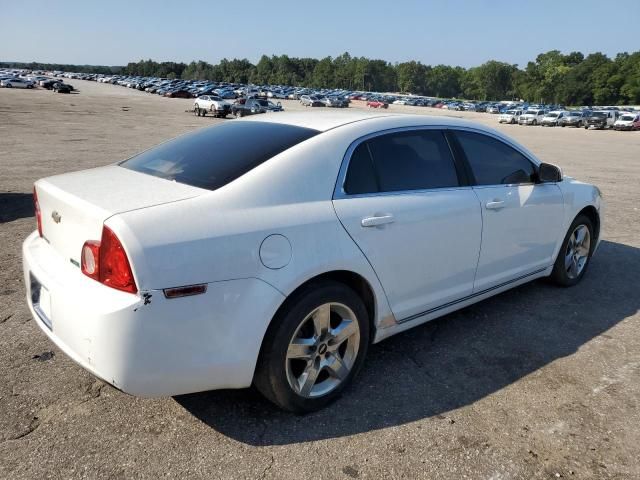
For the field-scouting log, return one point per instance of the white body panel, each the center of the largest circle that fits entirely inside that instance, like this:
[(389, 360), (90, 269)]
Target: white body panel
[(176, 235), (520, 235), (426, 227)]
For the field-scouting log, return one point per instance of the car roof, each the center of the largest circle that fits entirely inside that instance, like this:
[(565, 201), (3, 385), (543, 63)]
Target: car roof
[(327, 120)]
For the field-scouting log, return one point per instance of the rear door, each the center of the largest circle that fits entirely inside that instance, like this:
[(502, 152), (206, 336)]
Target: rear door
[(404, 201), (521, 218)]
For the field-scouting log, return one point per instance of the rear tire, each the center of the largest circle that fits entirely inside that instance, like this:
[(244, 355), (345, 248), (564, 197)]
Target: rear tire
[(575, 254), (313, 348)]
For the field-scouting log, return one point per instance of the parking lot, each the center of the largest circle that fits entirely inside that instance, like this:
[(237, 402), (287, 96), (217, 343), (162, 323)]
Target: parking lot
[(538, 382)]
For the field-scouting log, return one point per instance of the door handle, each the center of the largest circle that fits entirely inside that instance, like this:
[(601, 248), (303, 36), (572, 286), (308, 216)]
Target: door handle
[(495, 205), (377, 220)]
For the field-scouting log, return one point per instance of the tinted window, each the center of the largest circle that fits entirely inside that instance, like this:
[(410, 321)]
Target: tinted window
[(361, 177), (493, 162), (212, 157), (414, 160)]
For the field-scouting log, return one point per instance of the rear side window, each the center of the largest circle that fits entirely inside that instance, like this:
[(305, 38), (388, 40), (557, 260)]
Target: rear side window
[(212, 157), (415, 160), (361, 177), (494, 162)]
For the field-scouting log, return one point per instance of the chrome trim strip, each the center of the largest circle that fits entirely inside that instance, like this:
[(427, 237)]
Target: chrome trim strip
[(469, 297)]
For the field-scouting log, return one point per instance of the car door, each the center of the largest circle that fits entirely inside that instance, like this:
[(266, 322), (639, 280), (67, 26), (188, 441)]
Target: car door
[(521, 219), (405, 202)]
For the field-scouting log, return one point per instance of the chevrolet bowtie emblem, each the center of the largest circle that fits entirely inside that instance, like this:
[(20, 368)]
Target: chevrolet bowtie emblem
[(56, 216)]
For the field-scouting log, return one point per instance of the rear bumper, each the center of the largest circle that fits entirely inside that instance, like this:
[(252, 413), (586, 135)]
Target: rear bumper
[(158, 348)]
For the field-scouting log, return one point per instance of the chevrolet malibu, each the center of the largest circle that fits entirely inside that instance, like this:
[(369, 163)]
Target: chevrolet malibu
[(274, 250)]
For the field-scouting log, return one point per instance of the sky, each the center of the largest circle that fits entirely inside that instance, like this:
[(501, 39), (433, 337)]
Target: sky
[(452, 32)]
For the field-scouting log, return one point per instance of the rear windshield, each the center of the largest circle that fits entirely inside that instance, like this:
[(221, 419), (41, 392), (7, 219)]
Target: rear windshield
[(212, 157)]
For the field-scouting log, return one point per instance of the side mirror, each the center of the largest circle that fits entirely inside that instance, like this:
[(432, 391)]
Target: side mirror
[(548, 173)]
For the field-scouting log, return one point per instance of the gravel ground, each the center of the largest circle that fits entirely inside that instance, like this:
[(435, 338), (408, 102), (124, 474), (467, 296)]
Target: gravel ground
[(538, 382)]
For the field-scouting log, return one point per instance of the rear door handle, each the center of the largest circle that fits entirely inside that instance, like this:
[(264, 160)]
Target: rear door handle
[(495, 205), (377, 220)]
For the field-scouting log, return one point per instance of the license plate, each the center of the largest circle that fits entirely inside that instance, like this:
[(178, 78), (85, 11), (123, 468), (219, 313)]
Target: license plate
[(41, 300), (45, 302)]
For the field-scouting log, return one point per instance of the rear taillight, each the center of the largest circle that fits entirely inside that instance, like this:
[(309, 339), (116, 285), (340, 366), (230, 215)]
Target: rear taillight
[(114, 268), (90, 260), (36, 206), (107, 262)]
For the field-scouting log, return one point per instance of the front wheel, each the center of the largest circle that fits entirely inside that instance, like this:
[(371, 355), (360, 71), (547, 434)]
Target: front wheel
[(313, 348), (575, 253)]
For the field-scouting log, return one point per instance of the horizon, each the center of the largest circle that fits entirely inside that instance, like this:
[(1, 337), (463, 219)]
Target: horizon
[(431, 32), (254, 62)]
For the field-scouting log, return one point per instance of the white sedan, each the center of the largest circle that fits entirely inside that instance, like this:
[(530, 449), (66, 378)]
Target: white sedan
[(16, 83), (273, 250)]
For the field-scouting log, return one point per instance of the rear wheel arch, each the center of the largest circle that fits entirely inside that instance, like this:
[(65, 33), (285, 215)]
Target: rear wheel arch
[(354, 281)]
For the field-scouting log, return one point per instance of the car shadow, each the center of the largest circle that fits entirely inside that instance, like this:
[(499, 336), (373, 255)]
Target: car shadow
[(448, 363), (14, 206)]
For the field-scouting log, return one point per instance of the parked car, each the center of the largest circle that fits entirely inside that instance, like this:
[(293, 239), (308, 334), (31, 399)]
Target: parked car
[(62, 88), (628, 121), (377, 104), (601, 119), (510, 116), (180, 93), (572, 119), (552, 119), (311, 101), (16, 83), (531, 117), (262, 252), (252, 106), (334, 101), (212, 104)]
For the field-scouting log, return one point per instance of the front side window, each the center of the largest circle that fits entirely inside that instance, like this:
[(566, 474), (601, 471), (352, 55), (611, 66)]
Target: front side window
[(494, 162), (414, 160)]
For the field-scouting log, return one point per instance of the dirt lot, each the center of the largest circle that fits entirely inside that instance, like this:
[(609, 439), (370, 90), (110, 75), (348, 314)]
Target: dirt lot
[(539, 382)]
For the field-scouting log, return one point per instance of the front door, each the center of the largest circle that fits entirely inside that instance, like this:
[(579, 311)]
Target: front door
[(403, 204), (520, 217)]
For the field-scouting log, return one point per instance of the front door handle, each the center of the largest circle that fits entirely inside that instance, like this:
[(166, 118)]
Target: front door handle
[(495, 205), (377, 220)]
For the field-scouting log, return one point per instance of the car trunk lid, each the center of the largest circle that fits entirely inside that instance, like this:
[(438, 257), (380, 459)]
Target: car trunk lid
[(74, 206)]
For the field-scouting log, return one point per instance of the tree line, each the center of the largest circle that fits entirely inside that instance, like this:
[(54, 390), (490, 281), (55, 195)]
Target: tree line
[(553, 77), (64, 67)]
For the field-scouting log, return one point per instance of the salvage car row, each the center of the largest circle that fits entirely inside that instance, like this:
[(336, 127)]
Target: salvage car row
[(10, 79), (599, 118)]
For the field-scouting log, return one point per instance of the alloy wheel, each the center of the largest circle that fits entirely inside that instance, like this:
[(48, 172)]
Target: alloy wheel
[(577, 253), (323, 350)]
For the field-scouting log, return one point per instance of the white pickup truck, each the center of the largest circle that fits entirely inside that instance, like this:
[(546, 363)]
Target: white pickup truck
[(212, 104)]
